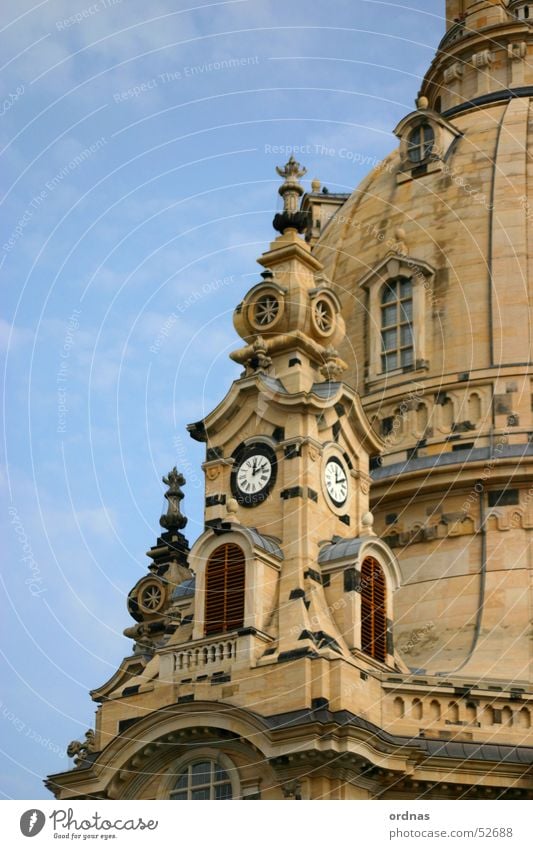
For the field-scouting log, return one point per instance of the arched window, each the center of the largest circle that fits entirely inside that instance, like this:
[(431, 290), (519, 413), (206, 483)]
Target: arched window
[(434, 710), (524, 718), (420, 142), (416, 709), (422, 418), (203, 780), (396, 324), (507, 716), (471, 712), (474, 408), (399, 707), (224, 589), (373, 610), (453, 712)]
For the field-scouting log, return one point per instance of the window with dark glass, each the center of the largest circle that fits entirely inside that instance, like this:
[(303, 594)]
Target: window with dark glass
[(203, 780), (373, 610), (420, 143), (396, 324), (224, 589)]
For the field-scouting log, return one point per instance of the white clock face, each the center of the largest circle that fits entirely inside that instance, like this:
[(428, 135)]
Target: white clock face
[(254, 474), (336, 481)]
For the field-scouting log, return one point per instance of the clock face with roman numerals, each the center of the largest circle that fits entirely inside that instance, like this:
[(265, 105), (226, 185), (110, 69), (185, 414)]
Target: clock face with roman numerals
[(253, 475), (336, 481)]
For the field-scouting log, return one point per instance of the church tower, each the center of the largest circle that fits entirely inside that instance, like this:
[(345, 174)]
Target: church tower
[(269, 658)]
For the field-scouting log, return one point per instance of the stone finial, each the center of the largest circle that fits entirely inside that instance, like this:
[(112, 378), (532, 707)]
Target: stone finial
[(292, 172), (259, 361), (173, 519), (291, 191), (367, 524), (401, 244), (422, 102), (232, 509), (333, 367), (79, 751), (315, 185)]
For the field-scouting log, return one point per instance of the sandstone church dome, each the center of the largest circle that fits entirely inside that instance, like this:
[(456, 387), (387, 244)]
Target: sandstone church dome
[(432, 258), (353, 622)]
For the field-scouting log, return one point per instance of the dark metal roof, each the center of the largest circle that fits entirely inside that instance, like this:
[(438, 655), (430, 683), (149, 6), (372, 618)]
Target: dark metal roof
[(340, 550), (325, 390), (450, 458), (432, 748), (185, 589), (273, 384), (266, 543)]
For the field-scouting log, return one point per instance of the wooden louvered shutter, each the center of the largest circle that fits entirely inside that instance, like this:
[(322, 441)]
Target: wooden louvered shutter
[(373, 610), (224, 589)]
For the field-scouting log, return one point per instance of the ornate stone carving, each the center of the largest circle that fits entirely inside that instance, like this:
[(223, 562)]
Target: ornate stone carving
[(333, 368), (517, 51), (79, 750), (364, 484), (259, 361), (454, 72), (292, 789), (483, 59)]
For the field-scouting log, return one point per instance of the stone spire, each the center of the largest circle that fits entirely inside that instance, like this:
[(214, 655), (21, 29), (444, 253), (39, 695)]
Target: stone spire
[(172, 546), (173, 519), (291, 320)]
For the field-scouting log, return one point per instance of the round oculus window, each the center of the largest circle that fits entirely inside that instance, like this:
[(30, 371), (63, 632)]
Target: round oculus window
[(266, 310), (323, 316)]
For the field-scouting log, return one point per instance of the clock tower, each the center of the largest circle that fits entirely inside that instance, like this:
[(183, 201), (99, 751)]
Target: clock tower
[(287, 450)]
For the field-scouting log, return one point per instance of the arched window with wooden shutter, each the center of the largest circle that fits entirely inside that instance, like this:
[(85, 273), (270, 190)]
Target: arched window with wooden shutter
[(373, 610), (224, 589)]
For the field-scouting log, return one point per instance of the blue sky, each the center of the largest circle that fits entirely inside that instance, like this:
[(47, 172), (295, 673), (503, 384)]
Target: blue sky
[(138, 189)]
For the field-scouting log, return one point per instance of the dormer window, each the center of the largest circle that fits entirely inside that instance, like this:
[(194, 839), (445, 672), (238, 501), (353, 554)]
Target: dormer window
[(426, 140), (522, 11), (420, 143)]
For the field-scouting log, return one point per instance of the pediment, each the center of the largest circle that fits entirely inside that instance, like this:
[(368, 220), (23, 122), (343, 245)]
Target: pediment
[(128, 669), (419, 116), (395, 265)]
